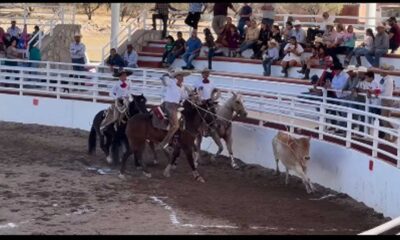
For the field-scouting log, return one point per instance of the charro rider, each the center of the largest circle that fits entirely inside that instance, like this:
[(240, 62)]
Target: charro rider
[(120, 93), (174, 94)]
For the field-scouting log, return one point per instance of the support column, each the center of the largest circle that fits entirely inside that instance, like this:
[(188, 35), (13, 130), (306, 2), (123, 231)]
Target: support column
[(115, 15), (371, 13)]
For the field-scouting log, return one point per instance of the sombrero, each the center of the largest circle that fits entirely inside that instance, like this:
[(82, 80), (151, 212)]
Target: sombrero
[(122, 71), (387, 67), (351, 68), (296, 23), (362, 69), (179, 71)]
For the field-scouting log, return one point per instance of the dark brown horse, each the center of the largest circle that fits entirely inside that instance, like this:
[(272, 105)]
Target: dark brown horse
[(140, 128)]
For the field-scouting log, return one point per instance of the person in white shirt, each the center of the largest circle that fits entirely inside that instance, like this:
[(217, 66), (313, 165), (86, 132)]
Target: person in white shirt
[(292, 51), (299, 33), (387, 87), (77, 51), (14, 31), (131, 57), (205, 87), (175, 92), (120, 92), (326, 19)]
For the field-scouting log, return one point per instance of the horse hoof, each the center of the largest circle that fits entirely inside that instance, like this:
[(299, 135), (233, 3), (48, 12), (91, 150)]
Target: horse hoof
[(200, 179), (147, 174), (167, 174), (122, 176), (109, 159), (173, 166)]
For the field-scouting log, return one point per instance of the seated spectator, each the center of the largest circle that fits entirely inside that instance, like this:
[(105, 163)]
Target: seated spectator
[(374, 90), (349, 39), (292, 51), (287, 33), (299, 33), (380, 46), (276, 33), (394, 35), (34, 36), (362, 49), (251, 37), (245, 14), (312, 61), (338, 46), (131, 57), (270, 56), (319, 30), (2, 41), (226, 32), (330, 34), (178, 50), (115, 60), (233, 41), (12, 54), (212, 47), (13, 32), (167, 49), (387, 86), (262, 42), (327, 74), (193, 47)]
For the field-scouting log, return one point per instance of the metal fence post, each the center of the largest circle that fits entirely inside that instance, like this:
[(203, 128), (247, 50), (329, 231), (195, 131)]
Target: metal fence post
[(375, 138), (47, 76), (348, 130)]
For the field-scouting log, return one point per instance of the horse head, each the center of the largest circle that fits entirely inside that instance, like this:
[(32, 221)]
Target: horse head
[(138, 104), (237, 105)]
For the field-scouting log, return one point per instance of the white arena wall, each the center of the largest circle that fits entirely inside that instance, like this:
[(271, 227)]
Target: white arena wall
[(332, 166)]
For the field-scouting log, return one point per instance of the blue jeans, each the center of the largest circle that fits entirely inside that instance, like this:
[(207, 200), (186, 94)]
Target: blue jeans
[(247, 45), (241, 24), (373, 56), (171, 57), (188, 58), (79, 61), (267, 66)]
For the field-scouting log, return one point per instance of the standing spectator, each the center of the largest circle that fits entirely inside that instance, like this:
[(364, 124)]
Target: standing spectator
[(131, 57), (77, 51), (194, 15), (262, 42), (245, 14), (292, 51), (34, 55), (12, 53), (299, 33), (220, 13), (115, 60), (161, 10), (326, 20), (251, 38), (394, 35), (34, 36), (270, 56), (212, 47), (268, 13), (13, 32), (380, 46), (387, 86), (168, 49), (362, 49), (276, 33), (178, 50), (193, 47)]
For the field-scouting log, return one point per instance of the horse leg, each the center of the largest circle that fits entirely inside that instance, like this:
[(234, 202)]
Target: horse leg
[(107, 149), (123, 164), (153, 149), (197, 153), (217, 140), (138, 158), (228, 141), (189, 156), (172, 160), (287, 176)]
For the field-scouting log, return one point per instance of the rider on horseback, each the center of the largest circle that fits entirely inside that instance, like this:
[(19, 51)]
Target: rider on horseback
[(174, 94), (120, 93)]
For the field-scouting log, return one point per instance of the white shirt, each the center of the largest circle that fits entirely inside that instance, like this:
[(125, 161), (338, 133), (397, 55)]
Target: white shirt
[(372, 87), (77, 50), (131, 59), (205, 89), (14, 32), (291, 56), (173, 93), (368, 42), (118, 92), (269, 13), (387, 86), (339, 82), (322, 25)]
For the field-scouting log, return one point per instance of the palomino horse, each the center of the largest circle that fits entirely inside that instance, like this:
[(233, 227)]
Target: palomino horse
[(107, 141), (222, 128), (140, 128)]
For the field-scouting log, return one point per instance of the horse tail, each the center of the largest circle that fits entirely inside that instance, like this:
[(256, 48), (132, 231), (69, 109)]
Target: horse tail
[(92, 140)]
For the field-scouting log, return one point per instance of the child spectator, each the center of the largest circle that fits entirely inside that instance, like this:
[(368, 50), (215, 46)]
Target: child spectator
[(167, 49)]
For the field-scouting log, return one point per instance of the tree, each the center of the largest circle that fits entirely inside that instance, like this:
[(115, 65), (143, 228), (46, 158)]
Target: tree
[(90, 8), (310, 8)]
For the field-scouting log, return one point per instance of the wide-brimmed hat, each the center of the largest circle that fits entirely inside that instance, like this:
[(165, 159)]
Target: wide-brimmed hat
[(387, 67), (296, 23), (351, 68), (205, 70), (362, 69), (318, 39), (121, 72), (179, 71)]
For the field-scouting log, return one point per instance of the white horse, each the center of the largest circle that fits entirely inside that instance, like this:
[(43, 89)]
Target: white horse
[(222, 127)]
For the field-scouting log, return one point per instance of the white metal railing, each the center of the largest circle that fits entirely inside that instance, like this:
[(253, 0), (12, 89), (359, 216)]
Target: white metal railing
[(383, 228), (51, 79)]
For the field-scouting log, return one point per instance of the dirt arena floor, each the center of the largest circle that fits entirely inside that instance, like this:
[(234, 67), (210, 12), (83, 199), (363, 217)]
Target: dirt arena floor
[(47, 188)]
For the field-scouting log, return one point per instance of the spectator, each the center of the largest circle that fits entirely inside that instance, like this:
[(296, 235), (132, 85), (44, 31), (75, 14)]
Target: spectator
[(262, 42), (212, 47), (245, 14), (161, 10), (168, 49), (349, 39), (220, 13), (268, 13), (292, 51), (193, 47), (374, 90), (77, 51), (299, 33), (34, 36), (222, 38), (276, 33), (131, 57), (327, 74), (115, 60), (270, 56), (338, 46), (2, 41), (394, 35), (251, 38), (194, 15), (233, 41), (12, 53), (330, 34), (287, 33), (34, 55), (312, 61), (319, 31), (380, 46), (387, 86), (23, 39), (178, 50), (13, 32), (362, 49)]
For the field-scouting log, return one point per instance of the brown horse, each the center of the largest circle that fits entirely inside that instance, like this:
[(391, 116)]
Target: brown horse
[(140, 128)]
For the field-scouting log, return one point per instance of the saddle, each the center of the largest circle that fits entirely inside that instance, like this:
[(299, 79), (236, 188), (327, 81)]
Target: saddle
[(159, 118)]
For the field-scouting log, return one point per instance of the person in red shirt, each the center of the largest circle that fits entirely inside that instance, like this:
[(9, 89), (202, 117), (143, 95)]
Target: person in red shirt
[(394, 34)]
